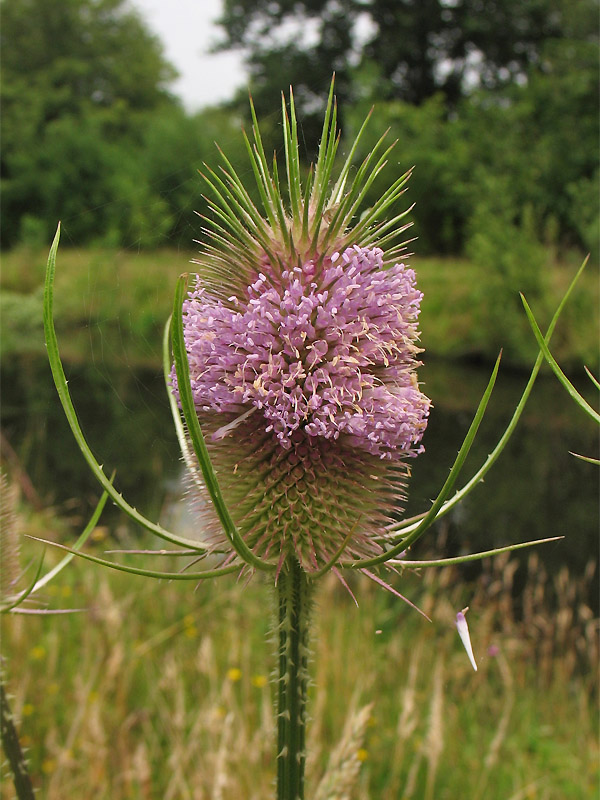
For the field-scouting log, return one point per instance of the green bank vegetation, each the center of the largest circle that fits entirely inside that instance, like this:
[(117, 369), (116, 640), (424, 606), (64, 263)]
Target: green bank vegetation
[(121, 300)]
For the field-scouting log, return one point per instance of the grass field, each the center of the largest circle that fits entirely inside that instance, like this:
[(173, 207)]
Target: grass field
[(158, 690)]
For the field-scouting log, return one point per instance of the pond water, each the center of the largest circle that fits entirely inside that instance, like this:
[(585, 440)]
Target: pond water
[(536, 489)]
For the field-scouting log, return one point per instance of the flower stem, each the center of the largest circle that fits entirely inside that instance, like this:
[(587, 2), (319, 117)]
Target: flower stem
[(295, 601), (12, 748)]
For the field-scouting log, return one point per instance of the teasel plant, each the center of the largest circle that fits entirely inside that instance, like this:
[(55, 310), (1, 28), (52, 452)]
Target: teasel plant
[(291, 361)]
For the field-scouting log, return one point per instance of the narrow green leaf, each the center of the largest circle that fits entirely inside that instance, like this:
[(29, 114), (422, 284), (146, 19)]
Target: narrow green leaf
[(351, 201), (319, 196), (290, 140), (236, 204), (175, 412), (378, 232), (227, 214), (387, 199), (147, 573), (592, 378), (431, 515), (338, 190), (260, 183), (589, 459), (397, 252), (306, 203), (367, 170), (327, 133), (222, 243), (197, 439), (571, 390), (271, 182), (240, 189), (279, 207), (60, 382)]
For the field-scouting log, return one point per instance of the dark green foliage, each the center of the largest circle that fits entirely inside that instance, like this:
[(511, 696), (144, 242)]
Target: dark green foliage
[(474, 90), (441, 157), (175, 146), (91, 136), (94, 53), (511, 260), (538, 140), (80, 79), (416, 49)]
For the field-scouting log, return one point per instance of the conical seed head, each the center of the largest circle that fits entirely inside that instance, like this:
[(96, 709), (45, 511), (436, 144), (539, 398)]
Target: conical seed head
[(305, 499), (301, 337)]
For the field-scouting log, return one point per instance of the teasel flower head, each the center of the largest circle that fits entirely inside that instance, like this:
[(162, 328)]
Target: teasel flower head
[(301, 334)]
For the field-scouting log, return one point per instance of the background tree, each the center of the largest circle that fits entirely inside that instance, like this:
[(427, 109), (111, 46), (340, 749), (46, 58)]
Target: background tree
[(475, 91), (79, 81), (412, 48)]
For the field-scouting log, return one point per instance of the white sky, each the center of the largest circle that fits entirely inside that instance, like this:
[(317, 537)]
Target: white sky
[(187, 31)]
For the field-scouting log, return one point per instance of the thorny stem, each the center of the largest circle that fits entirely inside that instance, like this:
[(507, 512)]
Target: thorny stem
[(12, 748), (295, 601)]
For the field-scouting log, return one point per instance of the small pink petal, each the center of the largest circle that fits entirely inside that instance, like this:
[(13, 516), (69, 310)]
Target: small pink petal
[(463, 632)]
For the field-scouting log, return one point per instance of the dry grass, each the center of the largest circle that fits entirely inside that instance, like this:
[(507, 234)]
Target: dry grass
[(157, 691)]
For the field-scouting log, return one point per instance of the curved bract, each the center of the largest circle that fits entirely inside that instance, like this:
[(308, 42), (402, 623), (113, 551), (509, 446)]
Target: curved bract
[(62, 388), (197, 439)]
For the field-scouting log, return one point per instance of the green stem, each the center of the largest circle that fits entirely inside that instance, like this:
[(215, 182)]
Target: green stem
[(12, 749), (295, 601)]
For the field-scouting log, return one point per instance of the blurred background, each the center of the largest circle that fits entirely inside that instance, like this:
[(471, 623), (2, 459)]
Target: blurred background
[(109, 108)]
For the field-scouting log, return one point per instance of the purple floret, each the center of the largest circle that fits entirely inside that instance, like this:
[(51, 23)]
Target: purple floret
[(327, 351)]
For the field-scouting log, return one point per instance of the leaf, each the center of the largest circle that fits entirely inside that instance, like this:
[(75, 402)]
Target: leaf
[(60, 382), (172, 576), (572, 391), (432, 514), (197, 439), (407, 526), (444, 562)]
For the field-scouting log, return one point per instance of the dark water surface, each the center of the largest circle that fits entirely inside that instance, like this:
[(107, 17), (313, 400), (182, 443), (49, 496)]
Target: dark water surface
[(536, 489)]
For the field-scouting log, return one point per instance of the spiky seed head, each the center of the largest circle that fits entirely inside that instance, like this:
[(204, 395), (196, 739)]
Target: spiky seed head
[(301, 334)]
